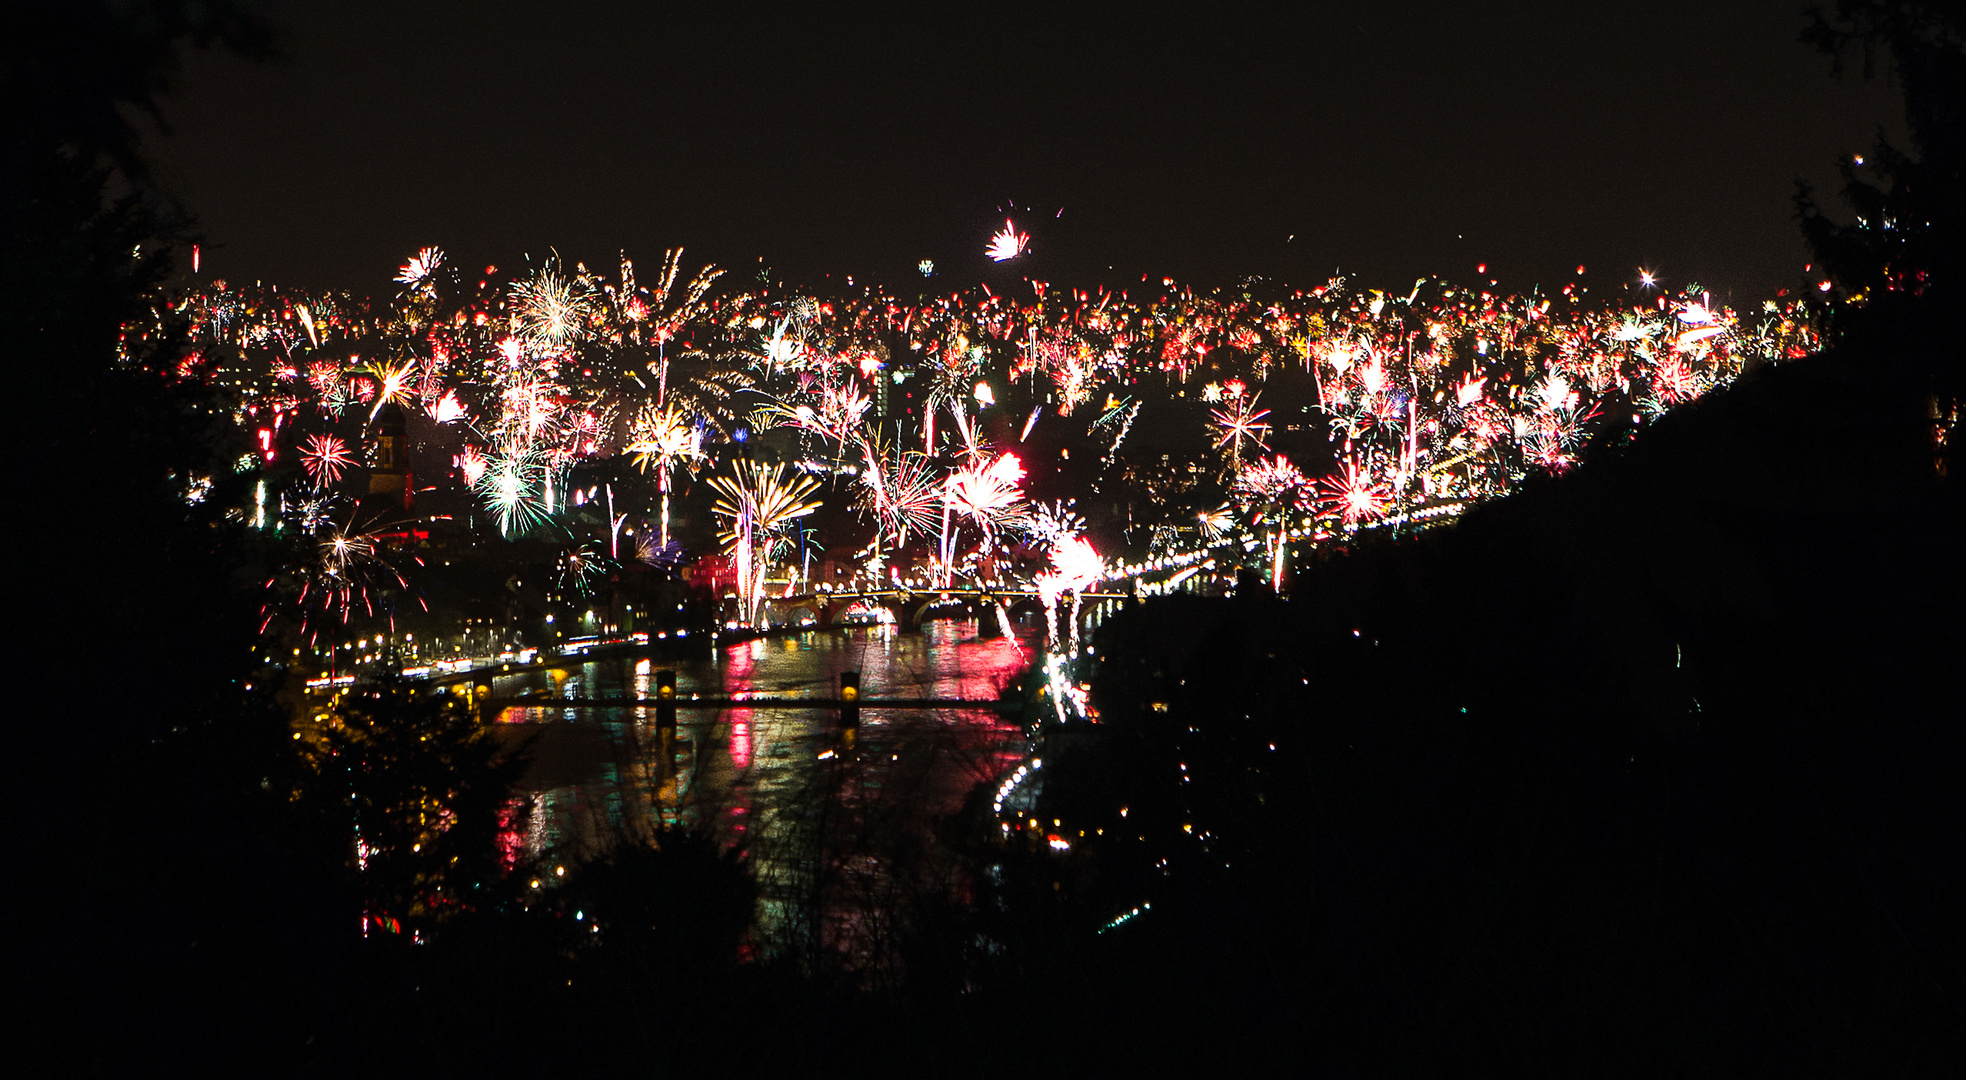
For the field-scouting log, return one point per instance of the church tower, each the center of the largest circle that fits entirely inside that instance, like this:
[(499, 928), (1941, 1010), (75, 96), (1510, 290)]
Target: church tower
[(389, 473)]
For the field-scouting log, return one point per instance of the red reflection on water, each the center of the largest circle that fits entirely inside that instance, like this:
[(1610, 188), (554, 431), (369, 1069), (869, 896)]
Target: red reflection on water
[(912, 768), (740, 738), (879, 848), (739, 662), (511, 842)]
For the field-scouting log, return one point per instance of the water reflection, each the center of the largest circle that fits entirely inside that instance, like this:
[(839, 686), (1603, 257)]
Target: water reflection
[(842, 844)]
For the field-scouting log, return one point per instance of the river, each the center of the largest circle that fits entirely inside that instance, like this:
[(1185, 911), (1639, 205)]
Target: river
[(843, 845)]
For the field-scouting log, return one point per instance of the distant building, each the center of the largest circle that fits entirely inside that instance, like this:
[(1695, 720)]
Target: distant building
[(389, 473)]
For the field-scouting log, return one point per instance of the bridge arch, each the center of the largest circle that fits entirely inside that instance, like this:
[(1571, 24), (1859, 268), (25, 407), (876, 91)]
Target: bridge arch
[(796, 614), (1029, 606), (943, 608), (857, 612)]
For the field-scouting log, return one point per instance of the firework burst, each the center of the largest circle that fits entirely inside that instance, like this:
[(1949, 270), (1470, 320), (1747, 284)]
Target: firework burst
[(754, 505), (514, 488), (324, 457), (552, 309), (900, 491), (393, 384), (1240, 425), (987, 493), (1053, 523), (1358, 496), (350, 566), (1008, 243), (1446, 394), (580, 568), (418, 271), (663, 438)]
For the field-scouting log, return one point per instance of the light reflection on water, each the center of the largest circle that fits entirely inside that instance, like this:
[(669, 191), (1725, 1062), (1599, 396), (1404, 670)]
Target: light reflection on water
[(842, 845)]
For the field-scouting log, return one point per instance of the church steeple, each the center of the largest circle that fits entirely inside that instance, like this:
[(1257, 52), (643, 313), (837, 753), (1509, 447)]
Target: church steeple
[(389, 473)]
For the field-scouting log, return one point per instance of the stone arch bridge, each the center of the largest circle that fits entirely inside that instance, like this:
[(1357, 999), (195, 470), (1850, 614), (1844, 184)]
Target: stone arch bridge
[(904, 608)]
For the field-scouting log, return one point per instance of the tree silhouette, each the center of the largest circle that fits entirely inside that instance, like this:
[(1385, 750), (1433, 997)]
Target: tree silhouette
[(1910, 203)]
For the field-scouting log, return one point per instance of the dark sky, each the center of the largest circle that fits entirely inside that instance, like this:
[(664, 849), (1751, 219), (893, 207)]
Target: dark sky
[(1391, 139)]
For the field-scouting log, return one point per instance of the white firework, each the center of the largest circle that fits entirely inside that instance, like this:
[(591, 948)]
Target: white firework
[(417, 271), (1007, 244)]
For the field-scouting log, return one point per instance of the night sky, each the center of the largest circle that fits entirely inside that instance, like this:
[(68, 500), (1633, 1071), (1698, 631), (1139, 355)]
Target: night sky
[(1389, 140)]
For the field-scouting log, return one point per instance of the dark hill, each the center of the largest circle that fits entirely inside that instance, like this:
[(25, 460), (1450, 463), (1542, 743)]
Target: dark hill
[(1651, 768)]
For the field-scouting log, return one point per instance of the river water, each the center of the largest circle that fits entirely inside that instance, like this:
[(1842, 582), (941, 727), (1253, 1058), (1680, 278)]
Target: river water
[(843, 845)]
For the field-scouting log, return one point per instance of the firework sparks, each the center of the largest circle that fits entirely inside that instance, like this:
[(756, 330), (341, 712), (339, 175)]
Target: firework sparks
[(754, 505), (1438, 395), (393, 385), (448, 409), (421, 266), (1358, 495), (1008, 243), (580, 569), (1075, 567), (1239, 426), (663, 438), (988, 494), (471, 464), (552, 309), (349, 566), (1269, 480), (515, 487), (900, 491), (1054, 523), (324, 457)]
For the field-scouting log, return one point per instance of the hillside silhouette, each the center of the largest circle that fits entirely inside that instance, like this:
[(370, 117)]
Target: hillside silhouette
[(1652, 768)]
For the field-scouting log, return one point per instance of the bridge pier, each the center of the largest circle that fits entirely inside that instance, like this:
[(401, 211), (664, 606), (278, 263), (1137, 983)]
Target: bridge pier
[(849, 708), (481, 692), (991, 619)]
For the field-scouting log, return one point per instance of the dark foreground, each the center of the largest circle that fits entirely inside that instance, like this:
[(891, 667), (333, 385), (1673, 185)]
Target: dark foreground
[(1651, 770)]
